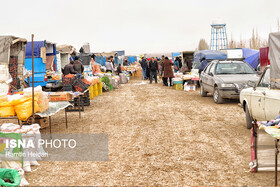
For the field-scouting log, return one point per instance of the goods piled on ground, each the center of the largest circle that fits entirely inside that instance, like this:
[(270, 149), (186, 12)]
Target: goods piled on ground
[(105, 83), (178, 83), (9, 177), (189, 81), (22, 161)]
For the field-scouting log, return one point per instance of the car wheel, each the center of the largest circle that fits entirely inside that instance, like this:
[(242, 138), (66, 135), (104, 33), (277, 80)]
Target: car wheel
[(248, 118), (217, 97), (202, 91)]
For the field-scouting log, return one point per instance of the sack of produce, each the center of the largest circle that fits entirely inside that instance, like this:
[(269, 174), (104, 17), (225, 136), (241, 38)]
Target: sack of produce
[(24, 109), (43, 102), (7, 109), (9, 177), (3, 98)]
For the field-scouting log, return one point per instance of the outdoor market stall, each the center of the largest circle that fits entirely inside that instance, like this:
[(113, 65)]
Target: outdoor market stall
[(266, 134), (186, 81), (19, 106), (134, 70)]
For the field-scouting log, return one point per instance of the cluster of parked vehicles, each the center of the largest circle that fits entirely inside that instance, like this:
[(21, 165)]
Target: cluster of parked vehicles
[(229, 79)]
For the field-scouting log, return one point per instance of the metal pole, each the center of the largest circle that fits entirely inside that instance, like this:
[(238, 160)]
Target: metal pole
[(276, 160), (66, 118), (33, 114), (79, 97), (50, 123)]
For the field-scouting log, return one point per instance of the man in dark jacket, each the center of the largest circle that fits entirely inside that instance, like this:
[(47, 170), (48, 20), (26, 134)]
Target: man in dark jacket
[(119, 69), (68, 69), (78, 66), (189, 64), (125, 62), (180, 62), (153, 66), (144, 66), (203, 64)]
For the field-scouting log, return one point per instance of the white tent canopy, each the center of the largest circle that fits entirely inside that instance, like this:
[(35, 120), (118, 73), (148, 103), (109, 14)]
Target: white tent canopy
[(274, 57)]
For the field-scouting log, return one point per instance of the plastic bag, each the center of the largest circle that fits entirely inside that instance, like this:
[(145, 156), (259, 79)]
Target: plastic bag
[(9, 128), (19, 100), (43, 102), (28, 91), (10, 174), (97, 69), (23, 180), (24, 109), (7, 109), (3, 98)]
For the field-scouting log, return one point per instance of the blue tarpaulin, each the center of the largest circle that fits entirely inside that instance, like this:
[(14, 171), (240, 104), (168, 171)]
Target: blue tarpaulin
[(100, 60), (251, 56), (37, 49), (208, 55), (174, 55), (131, 59)]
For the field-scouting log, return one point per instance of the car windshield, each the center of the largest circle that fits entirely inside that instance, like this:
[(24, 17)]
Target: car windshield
[(234, 68)]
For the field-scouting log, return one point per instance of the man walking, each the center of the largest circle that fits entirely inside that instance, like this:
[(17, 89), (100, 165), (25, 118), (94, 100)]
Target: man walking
[(144, 68), (153, 66)]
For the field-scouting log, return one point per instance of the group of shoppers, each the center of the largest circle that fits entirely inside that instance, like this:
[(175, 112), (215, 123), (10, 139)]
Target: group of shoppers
[(74, 67), (154, 66), (150, 69), (164, 67)]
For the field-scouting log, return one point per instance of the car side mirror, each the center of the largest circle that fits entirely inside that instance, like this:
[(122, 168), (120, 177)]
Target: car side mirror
[(211, 74), (251, 84), (259, 72)]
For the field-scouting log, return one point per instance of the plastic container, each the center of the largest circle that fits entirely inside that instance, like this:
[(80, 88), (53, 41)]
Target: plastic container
[(178, 86), (95, 90), (178, 82), (99, 85), (91, 92)]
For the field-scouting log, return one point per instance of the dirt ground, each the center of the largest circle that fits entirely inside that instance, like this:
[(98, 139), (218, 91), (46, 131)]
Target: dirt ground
[(158, 136)]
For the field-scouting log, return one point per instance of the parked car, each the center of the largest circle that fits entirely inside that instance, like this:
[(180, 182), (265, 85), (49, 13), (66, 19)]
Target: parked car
[(225, 79), (259, 102)]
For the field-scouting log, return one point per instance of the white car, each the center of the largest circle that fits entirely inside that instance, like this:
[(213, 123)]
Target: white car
[(260, 102)]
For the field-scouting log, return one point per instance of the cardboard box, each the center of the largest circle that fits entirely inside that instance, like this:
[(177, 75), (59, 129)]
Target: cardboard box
[(189, 88), (60, 96), (43, 122)]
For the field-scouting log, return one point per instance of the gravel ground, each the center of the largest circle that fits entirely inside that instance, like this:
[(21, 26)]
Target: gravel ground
[(157, 136)]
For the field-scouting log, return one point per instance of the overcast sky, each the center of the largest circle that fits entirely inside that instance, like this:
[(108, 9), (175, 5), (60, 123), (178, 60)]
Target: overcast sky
[(136, 26)]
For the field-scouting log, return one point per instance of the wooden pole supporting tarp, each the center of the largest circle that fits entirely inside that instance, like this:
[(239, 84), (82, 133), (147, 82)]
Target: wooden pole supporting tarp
[(33, 114)]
